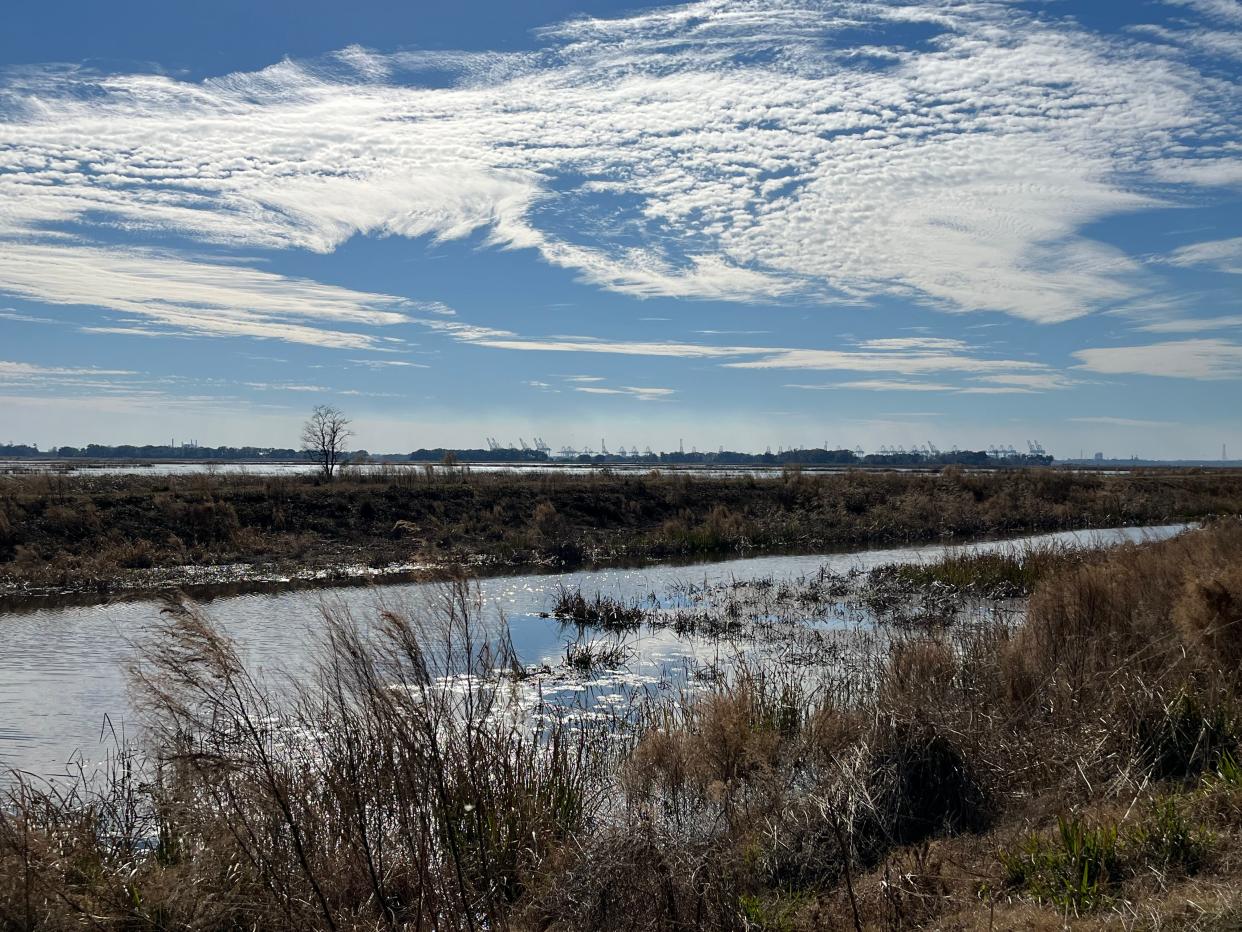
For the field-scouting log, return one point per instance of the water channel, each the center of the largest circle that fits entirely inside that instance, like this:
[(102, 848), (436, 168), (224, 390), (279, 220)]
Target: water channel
[(63, 682)]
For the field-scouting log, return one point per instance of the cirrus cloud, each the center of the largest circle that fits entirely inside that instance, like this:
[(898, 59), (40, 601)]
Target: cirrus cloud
[(1186, 359), (207, 298)]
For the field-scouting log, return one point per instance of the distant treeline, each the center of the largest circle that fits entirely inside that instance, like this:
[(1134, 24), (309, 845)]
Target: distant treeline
[(810, 457), (150, 452)]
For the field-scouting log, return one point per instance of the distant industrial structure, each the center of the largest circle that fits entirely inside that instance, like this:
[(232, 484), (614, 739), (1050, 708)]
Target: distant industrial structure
[(925, 453)]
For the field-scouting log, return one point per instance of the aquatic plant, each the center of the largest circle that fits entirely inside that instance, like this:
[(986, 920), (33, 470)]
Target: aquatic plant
[(599, 611)]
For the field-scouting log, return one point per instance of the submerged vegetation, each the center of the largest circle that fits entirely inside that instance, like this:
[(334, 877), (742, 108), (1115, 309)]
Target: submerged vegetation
[(1071, 764), (103, 534)]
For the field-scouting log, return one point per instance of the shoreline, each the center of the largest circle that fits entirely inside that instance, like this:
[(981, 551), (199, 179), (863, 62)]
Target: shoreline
[(96, 538), (256, 579)]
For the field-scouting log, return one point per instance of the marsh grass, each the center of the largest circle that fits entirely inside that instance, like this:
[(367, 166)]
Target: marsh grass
[(1074, 868), (590, 656), (70, 532), (995, 574), (600, 611), (396, 786), (1081, 865), (1076, 766)]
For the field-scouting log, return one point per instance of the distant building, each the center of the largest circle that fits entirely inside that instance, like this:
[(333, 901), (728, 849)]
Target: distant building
[(1099, 457)]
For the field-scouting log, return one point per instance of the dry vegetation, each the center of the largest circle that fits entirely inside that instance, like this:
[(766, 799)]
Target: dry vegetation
[(113, 533), (1076, 769)]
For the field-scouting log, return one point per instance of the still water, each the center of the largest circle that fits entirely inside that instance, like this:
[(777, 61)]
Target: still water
[(104, 468), (62, 670)]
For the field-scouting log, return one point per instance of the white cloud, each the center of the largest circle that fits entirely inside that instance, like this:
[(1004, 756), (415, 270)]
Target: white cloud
[(389, 364), (136, 332), (914, 343), (614, 347), (908, 363), (21, 370), (1034, 381), (642, 394), (880, 385), (1193, 324), (10, 314), (1004, 383), (505, 339), (727, 149), (29, 380), (1121, 421), (1224, 255), (285, 387), (903, 356), (180, 295), (996, 390), (1228, 10), (1185, 359)]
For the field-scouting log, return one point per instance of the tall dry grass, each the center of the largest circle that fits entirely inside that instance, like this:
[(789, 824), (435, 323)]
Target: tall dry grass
[(396, 785), (791, 797)]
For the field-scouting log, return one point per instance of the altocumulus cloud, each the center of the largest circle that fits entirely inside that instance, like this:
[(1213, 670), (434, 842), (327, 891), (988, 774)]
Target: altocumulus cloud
[(757, 149)]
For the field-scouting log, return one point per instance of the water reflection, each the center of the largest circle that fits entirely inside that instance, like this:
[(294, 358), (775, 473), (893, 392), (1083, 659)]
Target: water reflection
[(62, 670)]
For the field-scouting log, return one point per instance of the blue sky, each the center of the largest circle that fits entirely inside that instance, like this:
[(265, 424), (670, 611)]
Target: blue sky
[(738, 223)]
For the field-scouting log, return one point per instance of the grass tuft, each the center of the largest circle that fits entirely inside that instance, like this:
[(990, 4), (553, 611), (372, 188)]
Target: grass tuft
[(602, 611), (1072, 870)]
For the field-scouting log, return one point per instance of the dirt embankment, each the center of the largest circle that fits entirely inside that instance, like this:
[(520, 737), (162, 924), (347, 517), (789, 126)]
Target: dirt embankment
[(141, 533)]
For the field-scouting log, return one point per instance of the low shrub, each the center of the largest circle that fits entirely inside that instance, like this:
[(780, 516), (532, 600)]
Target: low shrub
[(1209, 616), (919, 785)]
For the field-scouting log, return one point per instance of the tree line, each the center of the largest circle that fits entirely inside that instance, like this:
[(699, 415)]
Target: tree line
[(800, 457)]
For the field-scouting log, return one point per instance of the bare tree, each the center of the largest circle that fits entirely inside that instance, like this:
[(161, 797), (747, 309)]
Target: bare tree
[(324, 436)]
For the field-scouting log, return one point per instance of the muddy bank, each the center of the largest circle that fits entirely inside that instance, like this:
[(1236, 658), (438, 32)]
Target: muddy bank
[(104, 536)]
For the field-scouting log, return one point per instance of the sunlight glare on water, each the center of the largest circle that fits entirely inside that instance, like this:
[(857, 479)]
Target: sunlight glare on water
[(63, 670)]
